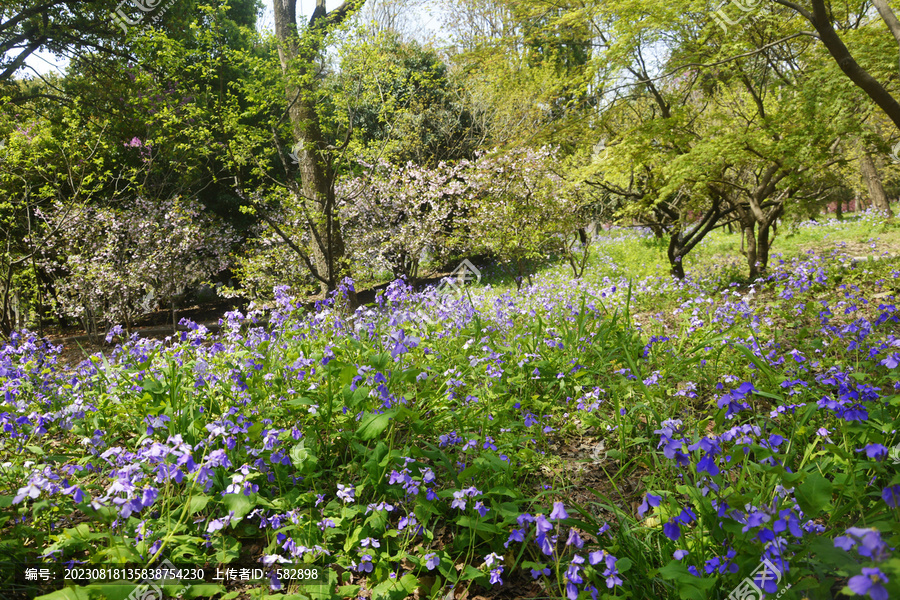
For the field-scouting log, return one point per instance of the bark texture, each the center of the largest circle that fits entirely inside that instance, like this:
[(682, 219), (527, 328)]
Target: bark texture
[(873, 183), (298, 55)]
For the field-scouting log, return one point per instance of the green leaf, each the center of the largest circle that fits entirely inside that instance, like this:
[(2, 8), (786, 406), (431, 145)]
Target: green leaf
[(373, 425), (300, 402), (239, 503), (197, 504), (676, 571), (814, 494), (302, 457), (35, 449), (227, 549), (478, 525), (119, 554), (346, 591)]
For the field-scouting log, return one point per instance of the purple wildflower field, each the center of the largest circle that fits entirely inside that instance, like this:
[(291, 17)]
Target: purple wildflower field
[(728, 436)]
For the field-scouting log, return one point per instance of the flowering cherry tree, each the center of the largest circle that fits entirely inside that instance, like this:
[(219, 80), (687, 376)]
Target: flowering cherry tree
[(396, 213), (511, 204), (114, 264)]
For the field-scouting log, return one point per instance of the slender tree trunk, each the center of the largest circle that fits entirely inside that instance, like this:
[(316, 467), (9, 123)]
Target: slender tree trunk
[(873, 182), (674, 255), (750, 240), (763, 241), (316, 192)]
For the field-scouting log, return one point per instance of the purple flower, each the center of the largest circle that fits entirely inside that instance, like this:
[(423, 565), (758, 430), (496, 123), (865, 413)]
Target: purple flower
[(516, 535), (573, 577), (559, 511), (788, 520), (672, 530), (543, 525), (365, 564), (679, 554), (535, 573), (345, 493), (869, 540), (869, 583), (744, 389), (892, 361), (217, 524), (431, 561), (492, 558), (708, 464), (574, 539), (891, 495), (875, 452), (29, 491), (649, 500), (546, 543)]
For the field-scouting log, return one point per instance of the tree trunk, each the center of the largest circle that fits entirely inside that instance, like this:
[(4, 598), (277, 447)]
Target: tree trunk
[(750, 239), (763, 241), (674, 255), (316, 192), (873, 182)]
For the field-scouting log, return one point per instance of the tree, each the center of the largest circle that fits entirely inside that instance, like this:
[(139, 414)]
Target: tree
[(872, 179), (315, 157), (57, 26), (39, 168), (518, 209), (528, 70), (823, 20), (398, 103), (722, 129), (395, 214), (111, 265)]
